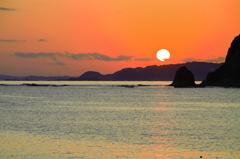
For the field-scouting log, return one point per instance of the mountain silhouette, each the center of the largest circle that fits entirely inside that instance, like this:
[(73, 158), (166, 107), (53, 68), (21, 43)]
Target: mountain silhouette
[(151, 73)]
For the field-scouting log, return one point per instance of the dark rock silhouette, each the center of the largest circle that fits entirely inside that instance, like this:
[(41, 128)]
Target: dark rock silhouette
[(42, 85), (227, 75), (183, 78)]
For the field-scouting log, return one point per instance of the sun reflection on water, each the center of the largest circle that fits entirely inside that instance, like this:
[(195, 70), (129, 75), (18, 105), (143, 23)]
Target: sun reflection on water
[(23, 145)]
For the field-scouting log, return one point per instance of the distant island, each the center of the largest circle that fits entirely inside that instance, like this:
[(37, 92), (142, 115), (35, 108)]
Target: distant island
[(149, 73), (33, 78)]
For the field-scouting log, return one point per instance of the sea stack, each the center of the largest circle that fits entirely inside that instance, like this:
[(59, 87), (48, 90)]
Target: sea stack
[(227, 75), (183, 78)]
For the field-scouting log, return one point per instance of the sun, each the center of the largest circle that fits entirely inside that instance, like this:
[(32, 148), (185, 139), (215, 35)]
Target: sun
[(163, 54)]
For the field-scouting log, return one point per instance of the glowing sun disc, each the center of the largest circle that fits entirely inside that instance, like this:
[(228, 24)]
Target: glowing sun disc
[(163, 54)]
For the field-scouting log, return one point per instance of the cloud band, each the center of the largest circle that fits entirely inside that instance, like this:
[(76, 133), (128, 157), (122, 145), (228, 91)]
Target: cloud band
[(11, 40), (7, 9), (80, 56)]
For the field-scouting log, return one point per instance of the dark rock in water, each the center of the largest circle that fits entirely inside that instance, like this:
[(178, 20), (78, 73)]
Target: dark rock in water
[(41, 85), (183, 78), (127, 86), (227, 75)]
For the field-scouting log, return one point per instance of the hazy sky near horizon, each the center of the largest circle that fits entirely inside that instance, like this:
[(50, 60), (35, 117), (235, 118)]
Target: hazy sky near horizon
[(70, 37)]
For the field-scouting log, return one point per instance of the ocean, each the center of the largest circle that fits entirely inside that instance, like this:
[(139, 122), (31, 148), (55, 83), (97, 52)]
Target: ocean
[(106, 120)]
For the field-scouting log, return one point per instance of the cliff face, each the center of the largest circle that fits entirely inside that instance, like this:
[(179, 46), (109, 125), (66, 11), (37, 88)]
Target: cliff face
[(227, 75)]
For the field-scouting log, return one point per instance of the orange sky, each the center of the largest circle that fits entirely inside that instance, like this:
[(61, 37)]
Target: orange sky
[(70, 37)]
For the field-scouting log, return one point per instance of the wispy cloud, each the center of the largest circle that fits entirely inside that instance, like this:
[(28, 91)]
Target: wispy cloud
[(79, 56), (42, 40), (97, 56), (33, 55), (37, 55), (218, 59), (12, 40), (7, 9), (57, 63), (143, 59)]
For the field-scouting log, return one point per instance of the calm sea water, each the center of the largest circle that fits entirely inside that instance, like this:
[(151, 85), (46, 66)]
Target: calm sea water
[(109, 120)]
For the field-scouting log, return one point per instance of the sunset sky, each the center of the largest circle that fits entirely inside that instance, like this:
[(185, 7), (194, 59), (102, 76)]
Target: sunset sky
[(70, 37)]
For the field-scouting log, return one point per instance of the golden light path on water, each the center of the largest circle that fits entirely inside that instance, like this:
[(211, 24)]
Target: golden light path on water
[(25, 145)]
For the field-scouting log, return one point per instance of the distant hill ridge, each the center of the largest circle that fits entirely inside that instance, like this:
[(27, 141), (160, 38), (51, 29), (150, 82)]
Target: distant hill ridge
[(151, 73), (34, 78)]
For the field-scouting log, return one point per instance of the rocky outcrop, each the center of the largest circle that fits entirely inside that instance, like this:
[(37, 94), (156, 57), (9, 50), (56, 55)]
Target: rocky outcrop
[(227, 75), (183, 78)]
